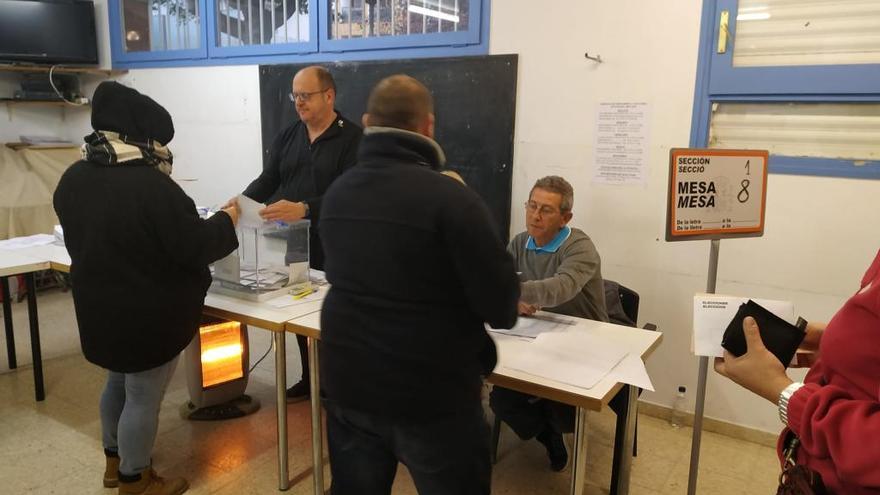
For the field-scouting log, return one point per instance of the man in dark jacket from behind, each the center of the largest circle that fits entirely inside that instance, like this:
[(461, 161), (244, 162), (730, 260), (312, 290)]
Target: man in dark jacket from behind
[(416, 267), (139, 266)]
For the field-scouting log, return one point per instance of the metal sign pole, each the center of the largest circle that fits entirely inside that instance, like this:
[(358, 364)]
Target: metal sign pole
[(705, 203), (701, 380)]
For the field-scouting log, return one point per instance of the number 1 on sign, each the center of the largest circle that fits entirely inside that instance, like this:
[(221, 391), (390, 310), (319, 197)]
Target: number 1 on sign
[(747, 167)]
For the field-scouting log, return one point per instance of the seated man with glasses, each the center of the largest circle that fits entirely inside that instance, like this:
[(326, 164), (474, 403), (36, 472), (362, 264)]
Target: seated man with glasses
[(560, 272), (304, 159)]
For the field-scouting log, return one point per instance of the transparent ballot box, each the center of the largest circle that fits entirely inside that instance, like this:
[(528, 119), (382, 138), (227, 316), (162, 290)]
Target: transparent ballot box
[(272, 259)]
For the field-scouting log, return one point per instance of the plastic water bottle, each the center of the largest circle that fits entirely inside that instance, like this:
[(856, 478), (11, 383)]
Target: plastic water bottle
[(676, 417)]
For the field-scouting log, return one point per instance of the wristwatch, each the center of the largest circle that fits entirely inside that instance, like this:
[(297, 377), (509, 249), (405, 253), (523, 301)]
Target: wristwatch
[(306, 206), (784, 397)]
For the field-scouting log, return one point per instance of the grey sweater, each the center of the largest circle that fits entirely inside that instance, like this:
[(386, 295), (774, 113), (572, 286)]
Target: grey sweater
[(568, 281)]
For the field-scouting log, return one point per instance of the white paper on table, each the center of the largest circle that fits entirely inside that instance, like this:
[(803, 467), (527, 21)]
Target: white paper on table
[(512, 352), (631, 370), (317, 276), (288, 300), (27, 242), (713, 312), (576, 358), (532, 326), (250, 216)]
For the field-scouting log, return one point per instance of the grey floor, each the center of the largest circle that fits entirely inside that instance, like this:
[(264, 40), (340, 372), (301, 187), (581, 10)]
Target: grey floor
[(54, 447)]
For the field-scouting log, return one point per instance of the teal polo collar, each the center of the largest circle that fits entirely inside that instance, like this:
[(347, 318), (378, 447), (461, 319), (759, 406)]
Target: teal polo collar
[(553, 245)]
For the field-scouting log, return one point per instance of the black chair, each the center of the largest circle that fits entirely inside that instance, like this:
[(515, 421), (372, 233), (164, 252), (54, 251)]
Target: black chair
[(627, 301), (623, 309)]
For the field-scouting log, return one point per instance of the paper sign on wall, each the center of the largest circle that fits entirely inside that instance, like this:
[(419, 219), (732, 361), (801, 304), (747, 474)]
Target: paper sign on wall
[(621, 143)]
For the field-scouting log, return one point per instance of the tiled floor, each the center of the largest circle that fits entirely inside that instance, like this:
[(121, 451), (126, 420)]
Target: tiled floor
[(54, 447)]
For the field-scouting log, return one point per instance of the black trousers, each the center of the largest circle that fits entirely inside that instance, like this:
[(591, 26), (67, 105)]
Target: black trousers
[(445, 456), (528, 415), (316, 261)]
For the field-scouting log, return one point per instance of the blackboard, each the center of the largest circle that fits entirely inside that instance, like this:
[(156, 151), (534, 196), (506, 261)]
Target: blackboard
[(474, 105)]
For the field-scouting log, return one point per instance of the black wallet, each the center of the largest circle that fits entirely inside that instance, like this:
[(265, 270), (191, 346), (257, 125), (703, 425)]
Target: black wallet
[(779, 336)]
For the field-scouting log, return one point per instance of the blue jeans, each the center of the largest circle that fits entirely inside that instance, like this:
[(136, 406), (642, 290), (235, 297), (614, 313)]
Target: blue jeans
[(445, 456), (130, 414)]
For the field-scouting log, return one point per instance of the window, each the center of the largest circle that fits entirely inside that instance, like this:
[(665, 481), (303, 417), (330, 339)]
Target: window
[(150, 33), (261, 27), (365, 24), (172, 28), (798, 78)]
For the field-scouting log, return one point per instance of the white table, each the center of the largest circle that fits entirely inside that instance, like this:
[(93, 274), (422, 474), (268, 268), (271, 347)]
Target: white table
[(23, 262), (258, 314), (262, 315), (304, 320), (309, 325), (636, 341), (55, 254)]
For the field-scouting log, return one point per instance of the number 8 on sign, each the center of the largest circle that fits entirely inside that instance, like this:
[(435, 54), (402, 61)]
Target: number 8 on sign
[(743, 195)]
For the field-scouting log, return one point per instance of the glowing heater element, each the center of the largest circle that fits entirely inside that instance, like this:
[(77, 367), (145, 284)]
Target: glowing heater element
[(415, 9), (222, 350), (221, 353)]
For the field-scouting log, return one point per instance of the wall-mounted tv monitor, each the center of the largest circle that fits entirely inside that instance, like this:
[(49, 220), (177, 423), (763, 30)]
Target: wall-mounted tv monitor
[(48, 32)]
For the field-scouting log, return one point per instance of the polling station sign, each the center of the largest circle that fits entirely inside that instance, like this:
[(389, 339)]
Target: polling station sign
[(716, 194)]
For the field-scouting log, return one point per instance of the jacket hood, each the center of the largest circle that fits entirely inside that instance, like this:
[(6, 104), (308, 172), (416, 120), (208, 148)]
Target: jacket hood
[(124, 110)]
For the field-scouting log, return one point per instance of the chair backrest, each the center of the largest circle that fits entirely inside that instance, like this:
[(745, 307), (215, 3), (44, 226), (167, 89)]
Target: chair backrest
[(622, 304), (629, 299)]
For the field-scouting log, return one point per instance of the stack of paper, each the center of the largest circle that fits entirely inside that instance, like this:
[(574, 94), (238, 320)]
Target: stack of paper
[(577, 358), (531, 326), (27, 242)]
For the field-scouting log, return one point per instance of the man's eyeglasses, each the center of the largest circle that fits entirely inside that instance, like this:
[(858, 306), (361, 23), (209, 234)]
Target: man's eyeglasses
[(545, 210), (304, 97)]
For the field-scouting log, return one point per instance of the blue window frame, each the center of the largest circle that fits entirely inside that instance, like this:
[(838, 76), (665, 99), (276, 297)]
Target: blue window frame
[(719, 81), (145, 36), (226, 37), (808, 79)]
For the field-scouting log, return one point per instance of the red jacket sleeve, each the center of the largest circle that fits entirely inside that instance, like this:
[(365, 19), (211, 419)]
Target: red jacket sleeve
[(832, 424)]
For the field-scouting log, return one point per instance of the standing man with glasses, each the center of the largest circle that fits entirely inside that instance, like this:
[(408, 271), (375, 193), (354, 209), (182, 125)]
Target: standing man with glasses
[(304, 159), (560, 272)]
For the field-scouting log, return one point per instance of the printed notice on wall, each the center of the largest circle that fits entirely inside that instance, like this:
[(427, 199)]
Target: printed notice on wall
[(621, 145)]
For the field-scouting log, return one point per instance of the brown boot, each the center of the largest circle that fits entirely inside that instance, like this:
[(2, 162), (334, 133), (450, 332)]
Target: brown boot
[(111, 472), (151, 484)]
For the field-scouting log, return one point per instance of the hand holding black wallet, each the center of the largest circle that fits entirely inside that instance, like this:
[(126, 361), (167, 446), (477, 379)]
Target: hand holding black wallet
[(780, 337)]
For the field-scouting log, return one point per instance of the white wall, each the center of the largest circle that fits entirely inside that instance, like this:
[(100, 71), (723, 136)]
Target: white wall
[(216, 114), (819, 237)]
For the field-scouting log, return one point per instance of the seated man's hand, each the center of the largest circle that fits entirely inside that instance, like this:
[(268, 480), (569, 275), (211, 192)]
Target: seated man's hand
[(526, 309), (283, 210)]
